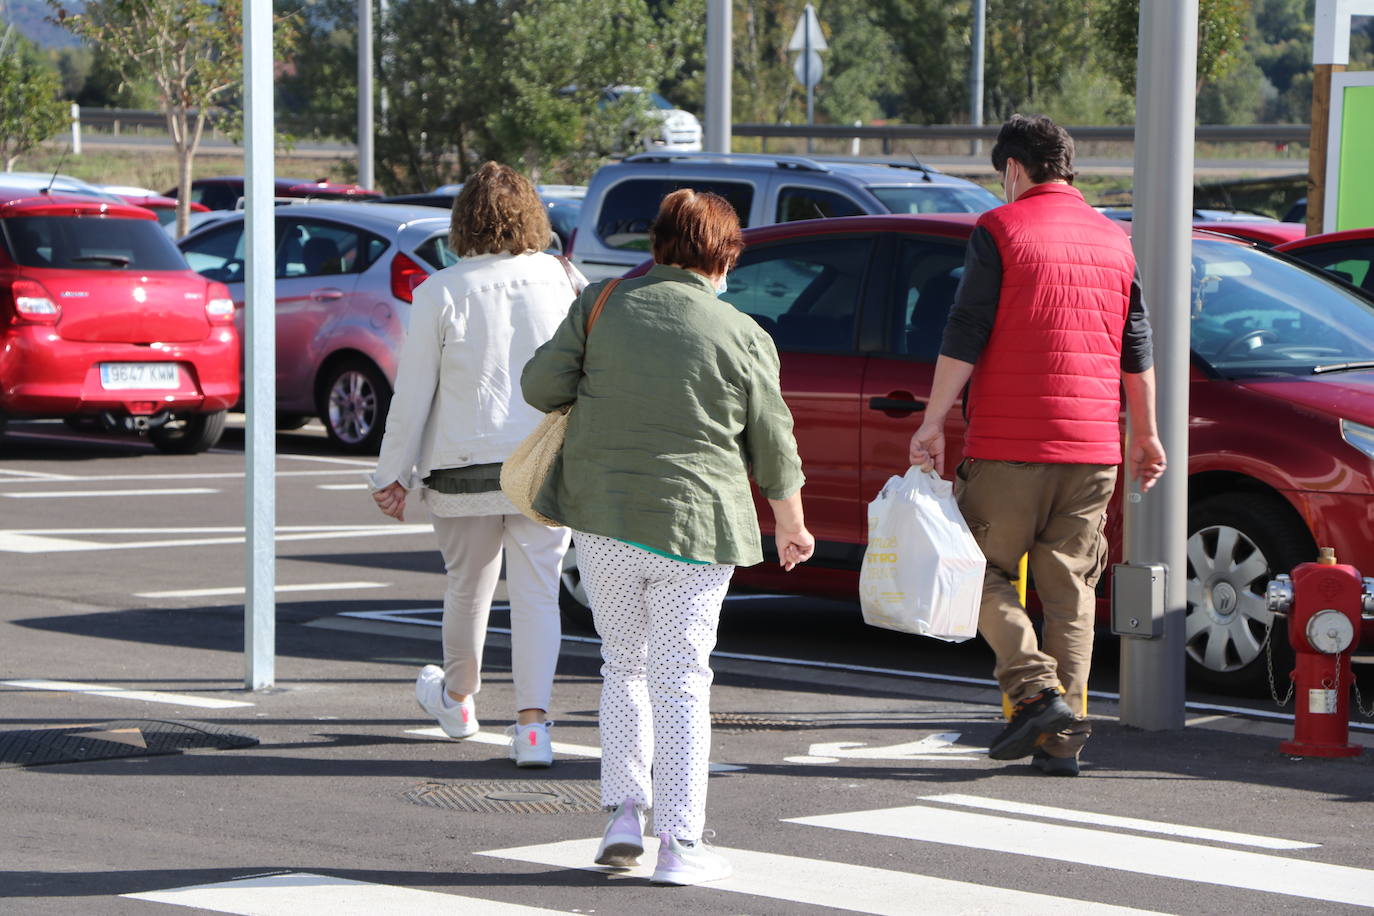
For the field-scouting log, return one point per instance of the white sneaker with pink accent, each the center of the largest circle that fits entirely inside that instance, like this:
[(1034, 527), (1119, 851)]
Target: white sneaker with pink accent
[(530, 745), (458, 720)]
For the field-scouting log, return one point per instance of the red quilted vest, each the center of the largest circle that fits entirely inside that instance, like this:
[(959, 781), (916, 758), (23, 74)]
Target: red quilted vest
[(1047, 386)]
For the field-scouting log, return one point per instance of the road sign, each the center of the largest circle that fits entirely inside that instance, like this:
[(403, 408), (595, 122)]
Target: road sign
[(812, 77), (807, 35)]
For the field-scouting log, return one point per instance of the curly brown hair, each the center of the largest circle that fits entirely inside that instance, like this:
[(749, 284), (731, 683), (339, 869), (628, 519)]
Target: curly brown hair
[(498, 210), (697, 229)]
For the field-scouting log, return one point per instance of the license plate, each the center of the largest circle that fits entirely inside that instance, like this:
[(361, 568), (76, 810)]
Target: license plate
[(127, 376)]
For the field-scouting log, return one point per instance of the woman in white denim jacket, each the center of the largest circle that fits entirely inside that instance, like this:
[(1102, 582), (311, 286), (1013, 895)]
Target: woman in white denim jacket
[(456, 415)]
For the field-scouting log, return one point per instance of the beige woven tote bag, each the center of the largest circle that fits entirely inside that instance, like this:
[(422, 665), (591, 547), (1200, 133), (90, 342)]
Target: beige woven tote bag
[(524, 472)]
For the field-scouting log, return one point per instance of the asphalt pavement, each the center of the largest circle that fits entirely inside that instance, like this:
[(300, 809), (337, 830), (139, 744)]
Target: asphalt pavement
[(850, 765)]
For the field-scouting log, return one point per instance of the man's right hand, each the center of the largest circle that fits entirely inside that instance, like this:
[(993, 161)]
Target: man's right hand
[(927, 448)]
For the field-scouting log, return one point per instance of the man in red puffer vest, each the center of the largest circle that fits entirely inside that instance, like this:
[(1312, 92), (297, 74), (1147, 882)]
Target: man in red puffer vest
[(1047, 328)]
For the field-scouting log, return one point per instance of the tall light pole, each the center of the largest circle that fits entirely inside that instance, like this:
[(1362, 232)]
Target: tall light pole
[(366, 175), (1152, 670), (975, 72), (719, 70)]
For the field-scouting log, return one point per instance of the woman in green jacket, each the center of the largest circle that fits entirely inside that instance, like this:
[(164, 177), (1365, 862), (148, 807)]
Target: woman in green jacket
[(678, 405)]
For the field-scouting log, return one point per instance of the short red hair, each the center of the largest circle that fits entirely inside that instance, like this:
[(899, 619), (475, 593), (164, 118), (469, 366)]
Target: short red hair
[(696, 229)]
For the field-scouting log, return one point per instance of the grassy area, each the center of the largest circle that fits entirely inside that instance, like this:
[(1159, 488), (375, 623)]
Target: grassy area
[(157, 169)]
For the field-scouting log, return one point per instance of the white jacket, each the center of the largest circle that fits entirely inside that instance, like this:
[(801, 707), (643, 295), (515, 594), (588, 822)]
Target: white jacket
[(473, 326)]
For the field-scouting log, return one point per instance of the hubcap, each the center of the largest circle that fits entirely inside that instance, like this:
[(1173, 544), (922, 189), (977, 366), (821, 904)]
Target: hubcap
[(352, 407), (1227, 617)]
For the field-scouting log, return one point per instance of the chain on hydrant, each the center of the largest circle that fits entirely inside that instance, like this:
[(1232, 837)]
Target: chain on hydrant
[(1325, 602)]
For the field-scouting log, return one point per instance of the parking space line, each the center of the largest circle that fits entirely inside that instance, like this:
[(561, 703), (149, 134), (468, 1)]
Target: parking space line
[(226, 475), (559, 747), (831, 885), (344, 486), (323, 459), (54, 540), (1100, 848), (121, 693), (302, 892), (7, 473), (239, 590), (62, 494), (1110, 820)]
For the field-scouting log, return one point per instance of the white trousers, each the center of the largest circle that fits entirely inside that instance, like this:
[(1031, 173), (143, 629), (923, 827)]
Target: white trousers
[(657, 620), (472, 548)]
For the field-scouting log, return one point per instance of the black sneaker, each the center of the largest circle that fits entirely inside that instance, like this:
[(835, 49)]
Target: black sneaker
[(1044, 713), (1054, 766)]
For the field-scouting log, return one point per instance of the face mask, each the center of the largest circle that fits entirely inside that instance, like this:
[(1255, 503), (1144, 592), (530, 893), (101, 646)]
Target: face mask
[(721, 286), (1007, 184)]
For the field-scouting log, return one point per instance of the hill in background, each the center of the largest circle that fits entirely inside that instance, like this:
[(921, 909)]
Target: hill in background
[(30, 19)]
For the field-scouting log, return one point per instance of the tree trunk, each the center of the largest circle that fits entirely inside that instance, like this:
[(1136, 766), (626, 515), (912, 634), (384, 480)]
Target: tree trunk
[(184, 156)]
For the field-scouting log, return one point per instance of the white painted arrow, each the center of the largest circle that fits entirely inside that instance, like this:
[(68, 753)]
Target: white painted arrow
[(938, 746)]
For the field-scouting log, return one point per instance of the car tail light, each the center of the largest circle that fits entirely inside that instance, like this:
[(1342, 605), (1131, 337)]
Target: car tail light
[(33, 304), (219, 305), (405, 276), (567, 249)]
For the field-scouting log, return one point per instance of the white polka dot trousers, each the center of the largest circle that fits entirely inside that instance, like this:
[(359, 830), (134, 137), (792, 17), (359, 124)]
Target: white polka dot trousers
[(657, 620)]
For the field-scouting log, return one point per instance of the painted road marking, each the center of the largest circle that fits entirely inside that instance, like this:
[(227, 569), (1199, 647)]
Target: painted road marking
[(7, 473), (302, 892), (1143, 855), (47, 540), (939, 746), (1111, 820), (344, 486), (239, 590), (121, 693), (60, 494), (559, 747), (199, 475), (833, 885)]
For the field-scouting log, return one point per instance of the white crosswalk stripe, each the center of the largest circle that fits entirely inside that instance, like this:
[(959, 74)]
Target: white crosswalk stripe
[(1105, 849)]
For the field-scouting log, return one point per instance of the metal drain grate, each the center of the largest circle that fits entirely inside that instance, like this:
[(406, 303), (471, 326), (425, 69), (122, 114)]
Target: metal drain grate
[(571, 796), (746, 722), (121, 738)]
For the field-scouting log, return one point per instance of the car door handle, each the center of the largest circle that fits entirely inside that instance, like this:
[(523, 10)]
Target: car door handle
[(905, 405), (326, 294)]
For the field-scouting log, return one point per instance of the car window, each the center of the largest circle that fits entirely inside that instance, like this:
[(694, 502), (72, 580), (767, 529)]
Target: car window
[(812, 203), (1256, 315), (314, 248), (629, 207), (936, 199), (217, 195), (90, 243), (928, 274), (1349, 262), (435, 252), (217, 254), (805, 293)]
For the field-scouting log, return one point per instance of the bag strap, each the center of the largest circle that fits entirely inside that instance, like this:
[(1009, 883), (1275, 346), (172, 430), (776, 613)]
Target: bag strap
[(600, 303), (572, 278)]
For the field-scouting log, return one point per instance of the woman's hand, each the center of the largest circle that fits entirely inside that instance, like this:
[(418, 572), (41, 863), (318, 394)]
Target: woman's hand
[(391, 499), (795, 545)]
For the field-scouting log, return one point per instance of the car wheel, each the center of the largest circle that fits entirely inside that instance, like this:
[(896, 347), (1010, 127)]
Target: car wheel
[(354, 399), (1236, 544), (572, 596), (187, 434)]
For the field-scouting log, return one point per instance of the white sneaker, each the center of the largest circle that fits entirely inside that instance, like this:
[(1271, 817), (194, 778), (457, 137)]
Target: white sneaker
[(530, 745), (458, 720), (623, 842), (681, 864)]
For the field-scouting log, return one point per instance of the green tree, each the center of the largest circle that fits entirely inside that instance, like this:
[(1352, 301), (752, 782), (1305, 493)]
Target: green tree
[(1031, 45), (862, 64), (191, 52), (931, 46), (31, 109), (1220, 37)]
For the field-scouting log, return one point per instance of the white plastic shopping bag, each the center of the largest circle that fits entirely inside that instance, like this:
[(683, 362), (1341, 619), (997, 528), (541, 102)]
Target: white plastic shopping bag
[(922, 572)]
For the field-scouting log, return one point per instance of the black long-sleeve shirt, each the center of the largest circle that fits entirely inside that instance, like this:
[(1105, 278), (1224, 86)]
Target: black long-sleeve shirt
[(975, 309)]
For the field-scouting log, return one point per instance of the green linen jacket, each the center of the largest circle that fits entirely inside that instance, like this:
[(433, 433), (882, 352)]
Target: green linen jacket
[(677, 403)]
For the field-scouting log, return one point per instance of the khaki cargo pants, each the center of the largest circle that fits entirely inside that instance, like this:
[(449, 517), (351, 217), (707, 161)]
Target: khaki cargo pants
[(1055, 513)]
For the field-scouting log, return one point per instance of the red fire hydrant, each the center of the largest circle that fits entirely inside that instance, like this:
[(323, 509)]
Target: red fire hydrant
[(1325, 602)]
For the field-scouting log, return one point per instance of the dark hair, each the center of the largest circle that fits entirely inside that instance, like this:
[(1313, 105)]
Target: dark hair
[(696, 229), (1039, 144), (498, 210)]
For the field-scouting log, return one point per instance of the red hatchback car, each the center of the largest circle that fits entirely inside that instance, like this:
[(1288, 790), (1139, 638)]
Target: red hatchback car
[(1349, 255), (1282, 408), (101, 319)]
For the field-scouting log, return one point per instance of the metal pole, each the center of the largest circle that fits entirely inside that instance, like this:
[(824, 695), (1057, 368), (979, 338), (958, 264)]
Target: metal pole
[(806, 69), (383, 14), (76, 129), (975, 74), (1152, 671), (260, 362), (719, 71), (365, 127)]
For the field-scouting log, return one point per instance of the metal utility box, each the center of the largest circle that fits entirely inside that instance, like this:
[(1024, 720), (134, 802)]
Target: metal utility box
[(1138, 600)]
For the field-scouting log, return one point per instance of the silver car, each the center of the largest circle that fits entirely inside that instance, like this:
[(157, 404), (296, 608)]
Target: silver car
[(345, 276)]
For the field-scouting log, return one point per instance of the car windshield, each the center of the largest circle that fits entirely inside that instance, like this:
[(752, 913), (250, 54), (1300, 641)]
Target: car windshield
[(936, 199), (90, 243), (1255, 315)]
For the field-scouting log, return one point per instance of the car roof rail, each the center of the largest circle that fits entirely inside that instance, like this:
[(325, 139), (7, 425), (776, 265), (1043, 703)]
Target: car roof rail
[(913, 163), (799, 163)]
